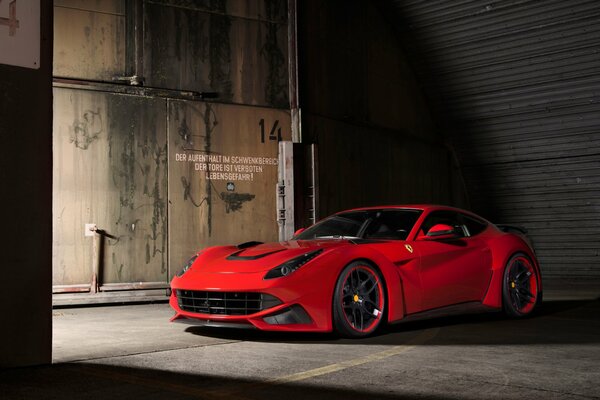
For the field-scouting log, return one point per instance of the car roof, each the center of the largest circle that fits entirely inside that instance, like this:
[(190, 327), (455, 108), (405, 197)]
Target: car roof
[(421, 207), (402, 206)]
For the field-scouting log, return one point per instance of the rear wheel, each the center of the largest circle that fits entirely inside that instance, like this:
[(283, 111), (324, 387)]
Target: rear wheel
[(520, 287), (359, 300)]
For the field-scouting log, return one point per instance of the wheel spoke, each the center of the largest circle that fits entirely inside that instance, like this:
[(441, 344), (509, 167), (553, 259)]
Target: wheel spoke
[(516, 299), (372, 288), (357, 281), (371, 302), (517, 270), (366, 314), (362, 321), (364, 283), (360, 282), (371, 312), (522, 278), (520, 270), (527, 294)]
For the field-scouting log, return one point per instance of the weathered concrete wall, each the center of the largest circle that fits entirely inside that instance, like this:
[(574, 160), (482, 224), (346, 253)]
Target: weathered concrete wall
[(119, 149), (238, 52), (110, 158), (362, 106), (90, 40), (26, 206)]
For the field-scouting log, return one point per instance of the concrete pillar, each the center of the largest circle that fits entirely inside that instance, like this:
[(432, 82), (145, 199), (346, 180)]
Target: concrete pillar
[(26, 200)]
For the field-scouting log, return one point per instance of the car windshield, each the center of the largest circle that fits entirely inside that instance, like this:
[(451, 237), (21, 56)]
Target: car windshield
[(393, 224)]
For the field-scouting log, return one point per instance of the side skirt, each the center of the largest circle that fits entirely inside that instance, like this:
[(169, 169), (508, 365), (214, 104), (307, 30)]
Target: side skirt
[(472, 307)]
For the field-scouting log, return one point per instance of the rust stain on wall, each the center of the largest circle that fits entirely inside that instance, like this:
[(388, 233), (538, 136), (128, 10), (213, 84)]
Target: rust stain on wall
[(138, 161), (209, 49), (86, 129), (276, 86), (188, 195), (186, 135), (210, 123), (220, 54)]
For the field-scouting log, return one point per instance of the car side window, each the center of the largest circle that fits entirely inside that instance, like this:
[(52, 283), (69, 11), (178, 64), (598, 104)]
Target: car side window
[(474, 226), (394, 225), (440, 217)]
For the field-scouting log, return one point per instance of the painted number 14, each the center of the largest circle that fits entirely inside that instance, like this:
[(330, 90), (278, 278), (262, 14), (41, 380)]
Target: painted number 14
[(274, 134), (12, 22)]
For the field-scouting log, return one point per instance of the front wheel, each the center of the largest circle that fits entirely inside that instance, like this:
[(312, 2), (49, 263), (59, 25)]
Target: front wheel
[(359, 300), (520, 287)]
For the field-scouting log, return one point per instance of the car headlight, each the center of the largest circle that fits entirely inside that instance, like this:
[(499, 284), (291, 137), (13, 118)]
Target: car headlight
[(187, 266), (292, 265)]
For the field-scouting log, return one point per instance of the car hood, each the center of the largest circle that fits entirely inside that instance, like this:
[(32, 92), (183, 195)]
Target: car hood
[(259, 258)]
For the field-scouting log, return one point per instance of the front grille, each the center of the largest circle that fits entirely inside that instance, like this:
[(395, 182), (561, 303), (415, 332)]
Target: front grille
[(224, 303)]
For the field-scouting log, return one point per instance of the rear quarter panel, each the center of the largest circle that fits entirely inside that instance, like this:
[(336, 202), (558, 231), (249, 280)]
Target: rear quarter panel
[(503, 247)]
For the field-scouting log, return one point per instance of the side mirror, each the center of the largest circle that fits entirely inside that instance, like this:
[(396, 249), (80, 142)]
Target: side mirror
[(299, 231), (440, 232)]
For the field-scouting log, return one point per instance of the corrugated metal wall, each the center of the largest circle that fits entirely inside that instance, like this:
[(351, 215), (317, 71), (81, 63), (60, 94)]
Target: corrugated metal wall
[(515, 87), (363, 108)]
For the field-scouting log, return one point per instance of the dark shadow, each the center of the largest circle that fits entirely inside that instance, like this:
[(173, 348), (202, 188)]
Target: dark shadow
[(556, 322), (92, 381)]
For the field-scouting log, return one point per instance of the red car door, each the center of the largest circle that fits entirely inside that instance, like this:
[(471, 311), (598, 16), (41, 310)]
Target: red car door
[(453, 269)]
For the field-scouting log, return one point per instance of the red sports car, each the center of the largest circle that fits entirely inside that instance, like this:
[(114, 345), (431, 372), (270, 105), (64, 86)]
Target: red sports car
[(358, 269)]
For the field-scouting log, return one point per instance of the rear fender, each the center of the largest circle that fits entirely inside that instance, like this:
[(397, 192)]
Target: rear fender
[(503, 248)]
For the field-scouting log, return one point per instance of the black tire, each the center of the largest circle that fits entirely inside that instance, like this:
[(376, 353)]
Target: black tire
[(521, 294), (359, 302)]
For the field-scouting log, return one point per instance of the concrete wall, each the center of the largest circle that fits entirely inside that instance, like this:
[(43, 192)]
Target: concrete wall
[(361, 104), (26, 204), (123, 154)]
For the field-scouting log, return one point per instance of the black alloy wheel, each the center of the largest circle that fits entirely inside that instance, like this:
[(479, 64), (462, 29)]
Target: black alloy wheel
[(359, 300), (520, 286)]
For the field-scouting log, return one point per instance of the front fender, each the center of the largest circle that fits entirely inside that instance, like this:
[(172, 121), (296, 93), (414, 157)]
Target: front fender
[(336, 260)]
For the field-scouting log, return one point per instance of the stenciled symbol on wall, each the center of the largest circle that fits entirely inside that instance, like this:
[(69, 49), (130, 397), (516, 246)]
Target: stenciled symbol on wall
[(230, 186), (234, 201), (87, 129), (274, 134), (12, 22)]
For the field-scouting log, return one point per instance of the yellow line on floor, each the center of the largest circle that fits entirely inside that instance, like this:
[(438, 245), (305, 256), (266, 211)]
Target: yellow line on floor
[(422, 338), (328, 369), (238, 392)]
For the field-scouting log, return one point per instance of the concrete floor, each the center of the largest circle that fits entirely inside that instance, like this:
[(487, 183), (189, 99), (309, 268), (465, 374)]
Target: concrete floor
[(133, 352)]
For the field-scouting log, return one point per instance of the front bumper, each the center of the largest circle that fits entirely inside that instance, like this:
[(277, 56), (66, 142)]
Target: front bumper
[(301, 306)]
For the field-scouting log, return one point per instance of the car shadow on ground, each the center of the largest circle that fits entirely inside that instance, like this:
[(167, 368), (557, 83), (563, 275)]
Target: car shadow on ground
[(97, 381), (556, 322)]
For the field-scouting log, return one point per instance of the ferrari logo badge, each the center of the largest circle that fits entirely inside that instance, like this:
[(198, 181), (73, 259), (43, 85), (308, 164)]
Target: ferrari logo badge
[(409, 247)]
